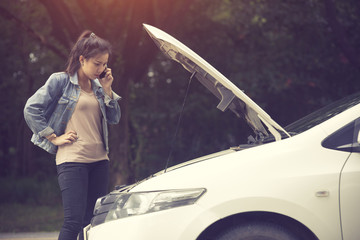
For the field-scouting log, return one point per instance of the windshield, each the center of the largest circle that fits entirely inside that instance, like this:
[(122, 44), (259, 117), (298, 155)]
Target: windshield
[(323, 114)]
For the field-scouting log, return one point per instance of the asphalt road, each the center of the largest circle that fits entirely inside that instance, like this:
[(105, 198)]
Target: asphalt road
[(30, 236)]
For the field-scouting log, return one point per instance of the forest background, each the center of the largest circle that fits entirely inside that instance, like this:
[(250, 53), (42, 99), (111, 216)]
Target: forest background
[(291, 57)]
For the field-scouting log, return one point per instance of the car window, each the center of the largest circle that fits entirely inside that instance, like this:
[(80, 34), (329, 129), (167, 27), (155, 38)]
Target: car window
[(323, 114), (342, 139)]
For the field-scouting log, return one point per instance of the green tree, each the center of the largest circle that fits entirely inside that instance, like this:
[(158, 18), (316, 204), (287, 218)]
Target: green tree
[(290, 56), (284, 54), (118, 21)]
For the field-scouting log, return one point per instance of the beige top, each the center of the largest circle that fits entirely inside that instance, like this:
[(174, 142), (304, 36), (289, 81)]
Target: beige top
[(86, 122)]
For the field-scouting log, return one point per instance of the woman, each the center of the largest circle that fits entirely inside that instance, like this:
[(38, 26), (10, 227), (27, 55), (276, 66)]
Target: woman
[(69, 116)]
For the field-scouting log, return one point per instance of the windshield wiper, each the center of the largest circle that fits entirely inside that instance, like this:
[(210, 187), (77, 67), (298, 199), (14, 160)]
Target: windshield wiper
[(268, 138)]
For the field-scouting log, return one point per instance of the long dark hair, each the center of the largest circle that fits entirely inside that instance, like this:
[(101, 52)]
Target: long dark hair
[(88, 45)]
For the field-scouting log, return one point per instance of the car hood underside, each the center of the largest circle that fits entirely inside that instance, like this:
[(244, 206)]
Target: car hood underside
[(229, 95)]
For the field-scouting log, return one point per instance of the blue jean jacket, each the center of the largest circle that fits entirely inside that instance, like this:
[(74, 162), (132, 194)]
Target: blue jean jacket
[(50, 108)]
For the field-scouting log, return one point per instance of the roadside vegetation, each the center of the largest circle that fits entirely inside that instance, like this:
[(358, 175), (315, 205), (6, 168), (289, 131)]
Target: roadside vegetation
[(30, 205), (15, 217)]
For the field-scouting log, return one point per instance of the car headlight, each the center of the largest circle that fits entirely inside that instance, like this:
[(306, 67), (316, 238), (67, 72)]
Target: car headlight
[(138, 203)]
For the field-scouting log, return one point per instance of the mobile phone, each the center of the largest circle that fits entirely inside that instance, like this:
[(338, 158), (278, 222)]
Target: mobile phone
[(102, 75)]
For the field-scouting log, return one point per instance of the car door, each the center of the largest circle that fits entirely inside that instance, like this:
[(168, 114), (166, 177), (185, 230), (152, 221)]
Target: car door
[(350, 188)]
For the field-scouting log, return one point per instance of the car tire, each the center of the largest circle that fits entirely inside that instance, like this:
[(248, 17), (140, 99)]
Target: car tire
[(257, 231)]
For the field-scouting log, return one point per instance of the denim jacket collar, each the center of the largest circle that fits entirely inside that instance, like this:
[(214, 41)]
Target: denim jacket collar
[(74, 79), (96, 85)]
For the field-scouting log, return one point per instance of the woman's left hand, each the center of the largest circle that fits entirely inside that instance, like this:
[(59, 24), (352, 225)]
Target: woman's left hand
[(107, 81)]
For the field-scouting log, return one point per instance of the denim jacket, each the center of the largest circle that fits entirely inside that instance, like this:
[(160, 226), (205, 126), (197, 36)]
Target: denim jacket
[(50, 108)]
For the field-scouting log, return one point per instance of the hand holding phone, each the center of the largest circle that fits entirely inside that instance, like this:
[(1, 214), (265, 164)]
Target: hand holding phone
[(102, 75), (106, 82)]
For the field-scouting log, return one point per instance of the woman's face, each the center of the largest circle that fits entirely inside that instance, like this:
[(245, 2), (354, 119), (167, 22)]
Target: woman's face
[(94, 66)]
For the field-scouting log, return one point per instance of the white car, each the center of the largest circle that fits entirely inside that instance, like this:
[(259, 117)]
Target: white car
[(298, 182)]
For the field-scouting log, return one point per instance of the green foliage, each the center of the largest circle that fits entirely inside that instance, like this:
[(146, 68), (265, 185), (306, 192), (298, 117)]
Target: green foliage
[(30, 204), (285, 55), (26, 65), (282, 54), (31, 190), (16, 217)]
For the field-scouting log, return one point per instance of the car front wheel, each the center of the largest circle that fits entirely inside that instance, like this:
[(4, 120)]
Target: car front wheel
[(257, 231)]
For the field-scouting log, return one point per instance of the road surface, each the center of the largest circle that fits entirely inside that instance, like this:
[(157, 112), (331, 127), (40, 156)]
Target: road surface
[(30, 236)]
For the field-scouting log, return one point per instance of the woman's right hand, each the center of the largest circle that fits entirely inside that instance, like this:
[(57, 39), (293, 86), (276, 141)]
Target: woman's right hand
[(67, 138)]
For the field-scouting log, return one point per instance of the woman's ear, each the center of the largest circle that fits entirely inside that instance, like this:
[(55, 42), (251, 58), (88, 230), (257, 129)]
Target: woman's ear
[(81, 60)]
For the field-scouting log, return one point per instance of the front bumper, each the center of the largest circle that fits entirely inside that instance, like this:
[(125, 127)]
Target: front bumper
[(179, 223)]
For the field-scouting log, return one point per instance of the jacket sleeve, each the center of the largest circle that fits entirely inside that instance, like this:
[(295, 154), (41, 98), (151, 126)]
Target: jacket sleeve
[(113, 112), (39, 105)]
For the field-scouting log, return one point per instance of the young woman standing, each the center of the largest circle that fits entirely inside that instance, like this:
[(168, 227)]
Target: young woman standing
[(68, 117)]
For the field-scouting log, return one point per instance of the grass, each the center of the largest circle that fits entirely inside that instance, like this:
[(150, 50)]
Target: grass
[(15, 217), (30, 204)]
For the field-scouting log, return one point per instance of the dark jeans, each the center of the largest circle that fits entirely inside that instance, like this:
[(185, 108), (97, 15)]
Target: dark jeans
[(81, 184)]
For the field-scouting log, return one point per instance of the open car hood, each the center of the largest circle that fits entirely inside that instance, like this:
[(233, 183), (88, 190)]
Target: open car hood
[(229, 95)]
